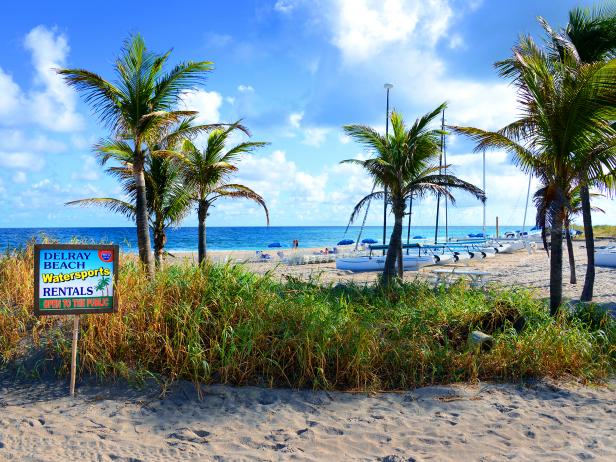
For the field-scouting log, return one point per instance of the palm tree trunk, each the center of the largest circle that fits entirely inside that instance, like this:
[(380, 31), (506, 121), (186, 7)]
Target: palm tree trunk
[(556, 262), (395, 244), (589, 279), (160, 239), (572, 275), (143, 231), (202, 215)]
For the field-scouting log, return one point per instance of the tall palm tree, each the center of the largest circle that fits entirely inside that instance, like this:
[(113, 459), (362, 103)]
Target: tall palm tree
[(138, 106), (168, 199), (563, 108), (590, 37), (207, 173), (406, 163)]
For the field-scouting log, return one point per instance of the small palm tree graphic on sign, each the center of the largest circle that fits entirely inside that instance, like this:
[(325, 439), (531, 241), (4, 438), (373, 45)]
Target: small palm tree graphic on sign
[(102, 284)]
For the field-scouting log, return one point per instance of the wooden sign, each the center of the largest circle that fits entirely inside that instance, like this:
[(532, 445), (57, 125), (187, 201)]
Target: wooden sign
[(75, 279)]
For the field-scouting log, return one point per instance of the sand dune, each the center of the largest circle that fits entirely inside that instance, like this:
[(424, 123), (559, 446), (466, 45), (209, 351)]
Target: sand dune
[(487, 422)]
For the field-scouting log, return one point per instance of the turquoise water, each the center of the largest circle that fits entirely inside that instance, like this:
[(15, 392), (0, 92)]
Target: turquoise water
[(229, 238)]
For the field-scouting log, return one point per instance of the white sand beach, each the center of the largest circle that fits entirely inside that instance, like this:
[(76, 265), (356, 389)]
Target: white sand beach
[(487, 422)]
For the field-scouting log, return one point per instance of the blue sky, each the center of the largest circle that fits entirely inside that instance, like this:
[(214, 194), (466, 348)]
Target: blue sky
[(294, 70)]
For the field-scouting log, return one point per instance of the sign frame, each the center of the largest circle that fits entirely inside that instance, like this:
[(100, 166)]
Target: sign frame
[(76, 311)]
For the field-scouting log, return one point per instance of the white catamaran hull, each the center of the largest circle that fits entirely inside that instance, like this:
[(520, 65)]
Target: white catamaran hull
[(374, 263), (606, 258)]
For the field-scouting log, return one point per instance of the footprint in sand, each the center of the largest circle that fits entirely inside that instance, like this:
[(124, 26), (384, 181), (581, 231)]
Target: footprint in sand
[(186, 434)]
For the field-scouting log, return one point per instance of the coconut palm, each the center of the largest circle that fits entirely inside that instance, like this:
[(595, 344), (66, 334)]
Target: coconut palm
[(137, 107), (406, 164), (207, 173), (563, 107), (572, 208), (168, 200), (589, 37)]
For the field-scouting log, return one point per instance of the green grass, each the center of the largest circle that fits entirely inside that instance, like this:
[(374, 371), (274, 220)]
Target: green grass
[(222, 324)]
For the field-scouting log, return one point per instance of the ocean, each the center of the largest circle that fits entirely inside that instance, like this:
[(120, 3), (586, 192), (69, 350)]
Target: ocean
[(227, 238)]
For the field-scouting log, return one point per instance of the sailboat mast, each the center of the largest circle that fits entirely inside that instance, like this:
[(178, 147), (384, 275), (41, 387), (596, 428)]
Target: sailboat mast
[(440, 165), (408, 230), (526, 208), (388, 86), (445, 162), (484, 190)]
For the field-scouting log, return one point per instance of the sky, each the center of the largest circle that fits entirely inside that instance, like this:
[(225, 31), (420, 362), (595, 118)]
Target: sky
[(294, 71)]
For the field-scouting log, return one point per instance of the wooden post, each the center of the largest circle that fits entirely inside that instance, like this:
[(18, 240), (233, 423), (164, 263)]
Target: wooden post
[(74, 354), (497, 233)]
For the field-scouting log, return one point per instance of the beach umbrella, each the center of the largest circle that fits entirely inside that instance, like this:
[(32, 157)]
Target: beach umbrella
[(418, 237), (346, 242), (274, 244), (368, 241)]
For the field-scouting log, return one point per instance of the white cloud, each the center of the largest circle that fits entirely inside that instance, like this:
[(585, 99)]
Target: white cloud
[(245, 88), (19, 177), (21, 160), (456, 41), (54, 107), (315, 136), (207, 103), (13, 139), (295, 119), (50, 103), (90, 170), (396, 40), (10, 92), (363, 28), (344, 139)]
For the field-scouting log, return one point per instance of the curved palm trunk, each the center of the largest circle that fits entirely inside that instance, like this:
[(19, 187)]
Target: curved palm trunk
[(202, 215), (143, 232), (395, 245), (589, 279), (572, 275), (556, 262)]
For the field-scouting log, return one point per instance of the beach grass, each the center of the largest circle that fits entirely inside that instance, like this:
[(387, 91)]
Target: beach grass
[(599, 231), (224, 324)]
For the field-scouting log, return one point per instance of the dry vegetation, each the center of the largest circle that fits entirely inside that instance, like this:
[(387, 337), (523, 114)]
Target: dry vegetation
[(223, 324)]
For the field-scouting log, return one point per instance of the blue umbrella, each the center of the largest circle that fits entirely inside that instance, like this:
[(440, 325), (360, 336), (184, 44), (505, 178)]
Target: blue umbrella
[(418, 237), (274, 244), (346, 242), (368, 241)]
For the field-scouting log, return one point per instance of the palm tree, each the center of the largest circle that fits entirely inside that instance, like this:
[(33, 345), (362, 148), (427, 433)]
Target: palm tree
[(168, 200), (406, 163), (102, 284), (590, 37), (572, 208), (563, 107), (137, 107), (207, 172)]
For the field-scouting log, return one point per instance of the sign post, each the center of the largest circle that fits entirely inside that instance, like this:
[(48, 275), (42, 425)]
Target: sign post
[(74, 280)]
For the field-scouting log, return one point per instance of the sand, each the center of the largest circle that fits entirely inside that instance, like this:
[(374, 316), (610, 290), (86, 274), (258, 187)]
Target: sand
[(519, 269), (486, 422)]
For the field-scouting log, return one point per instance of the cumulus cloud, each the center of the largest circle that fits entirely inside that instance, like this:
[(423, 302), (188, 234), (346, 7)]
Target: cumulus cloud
[(10, 92), (363, 28), (21, 161), (50, 103), (207, 103)]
